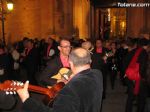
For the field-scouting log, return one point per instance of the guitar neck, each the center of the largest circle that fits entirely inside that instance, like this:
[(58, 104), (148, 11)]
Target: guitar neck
[(10, 86), (38, 89)]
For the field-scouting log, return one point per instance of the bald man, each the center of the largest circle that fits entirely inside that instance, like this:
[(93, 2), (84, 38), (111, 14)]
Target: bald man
[(83, 92)]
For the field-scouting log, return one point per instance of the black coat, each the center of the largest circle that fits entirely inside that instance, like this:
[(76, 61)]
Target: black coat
[(6, 64), (31, 60), (54, 47), (30, 64), (97, 60), (7, 102), (82, 94), (148, 70), (142, 60), (52, 68)]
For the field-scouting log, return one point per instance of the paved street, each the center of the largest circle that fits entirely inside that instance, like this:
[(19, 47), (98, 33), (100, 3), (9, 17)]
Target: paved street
[(115, 99)]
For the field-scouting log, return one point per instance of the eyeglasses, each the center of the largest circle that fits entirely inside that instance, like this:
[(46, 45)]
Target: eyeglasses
[(66, 46)]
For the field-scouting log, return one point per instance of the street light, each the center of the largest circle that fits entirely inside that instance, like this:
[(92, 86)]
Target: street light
[(4, 10)]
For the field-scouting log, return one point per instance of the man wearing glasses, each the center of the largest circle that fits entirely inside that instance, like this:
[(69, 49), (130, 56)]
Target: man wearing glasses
[(56, 64)]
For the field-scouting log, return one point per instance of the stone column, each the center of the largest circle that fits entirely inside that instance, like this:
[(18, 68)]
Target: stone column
[(47, 17), (81, 18)]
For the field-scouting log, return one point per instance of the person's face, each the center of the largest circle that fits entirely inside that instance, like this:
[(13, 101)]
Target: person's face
[(86, 45), (98, 43), (1, 51), (107, 45), (50, 41), (113, 46), (29, 45), (25, 43), (65, 47)]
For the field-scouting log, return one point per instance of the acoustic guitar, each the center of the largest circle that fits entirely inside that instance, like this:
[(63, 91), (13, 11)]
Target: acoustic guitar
[(63, 73), (10, 87)]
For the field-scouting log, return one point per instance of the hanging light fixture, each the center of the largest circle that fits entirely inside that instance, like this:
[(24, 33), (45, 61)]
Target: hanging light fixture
[(3, 12), (10, 5)]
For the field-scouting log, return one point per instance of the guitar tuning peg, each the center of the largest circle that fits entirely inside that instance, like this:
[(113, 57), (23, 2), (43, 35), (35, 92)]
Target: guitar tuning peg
[(21, 84), (11, 92), (14, 83), (14, 92), (18, 83), (7, 93)]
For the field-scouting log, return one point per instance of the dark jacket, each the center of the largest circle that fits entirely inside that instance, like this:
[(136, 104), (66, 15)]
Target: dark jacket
[(82, 94), (7, 102), (142, 60), (97, 60), (30, 63), (54, 47), (148, 70), (5, 64), (31, 60), (53, 67)]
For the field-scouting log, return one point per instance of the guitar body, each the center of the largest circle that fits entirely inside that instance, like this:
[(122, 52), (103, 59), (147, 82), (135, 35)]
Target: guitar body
[(48, 100)]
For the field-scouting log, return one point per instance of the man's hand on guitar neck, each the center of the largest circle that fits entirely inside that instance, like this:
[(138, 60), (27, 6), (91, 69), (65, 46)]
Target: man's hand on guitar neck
[(23, 93)]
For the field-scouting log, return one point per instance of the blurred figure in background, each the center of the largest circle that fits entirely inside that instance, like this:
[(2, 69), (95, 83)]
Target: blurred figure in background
[(99, 62), (88, 46), (50, 50), (138, 94), (30, 61), (5, 64)]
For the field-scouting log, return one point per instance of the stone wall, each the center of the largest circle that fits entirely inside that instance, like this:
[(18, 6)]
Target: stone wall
[(81, 18), (138, 20), (39, 19), (65, 18), (23, 21)]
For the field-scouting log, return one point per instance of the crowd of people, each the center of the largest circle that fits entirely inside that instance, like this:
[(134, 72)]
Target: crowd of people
[(91, 64)]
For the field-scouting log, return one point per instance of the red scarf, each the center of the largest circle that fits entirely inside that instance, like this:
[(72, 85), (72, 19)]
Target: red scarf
[(48, 50), (99, 50)]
